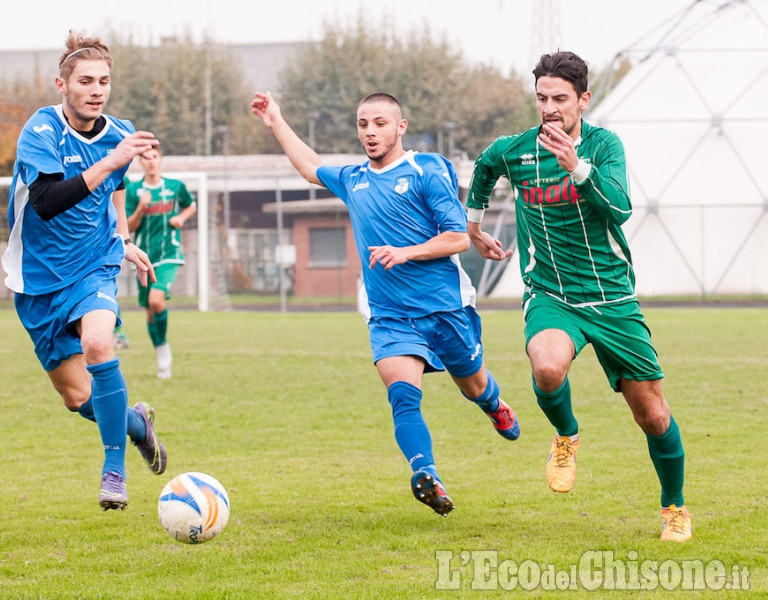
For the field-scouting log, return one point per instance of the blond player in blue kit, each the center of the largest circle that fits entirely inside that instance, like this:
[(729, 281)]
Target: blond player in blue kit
[(419, 303), (572, 198), (69, 236)]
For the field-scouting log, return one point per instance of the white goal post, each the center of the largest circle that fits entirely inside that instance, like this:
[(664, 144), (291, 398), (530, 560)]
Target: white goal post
[(197, 183)]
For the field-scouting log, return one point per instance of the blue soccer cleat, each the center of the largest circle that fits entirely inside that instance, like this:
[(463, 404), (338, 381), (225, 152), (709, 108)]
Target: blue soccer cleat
[(431, 492)]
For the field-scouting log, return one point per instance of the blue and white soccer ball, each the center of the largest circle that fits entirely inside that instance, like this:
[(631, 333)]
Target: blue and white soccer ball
[(193, 508)]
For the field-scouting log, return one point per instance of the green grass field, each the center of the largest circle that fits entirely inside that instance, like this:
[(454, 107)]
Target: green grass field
[(288, 413)]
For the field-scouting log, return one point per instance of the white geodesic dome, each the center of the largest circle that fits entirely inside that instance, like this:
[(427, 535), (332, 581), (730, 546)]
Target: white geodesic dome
[(693, 116)]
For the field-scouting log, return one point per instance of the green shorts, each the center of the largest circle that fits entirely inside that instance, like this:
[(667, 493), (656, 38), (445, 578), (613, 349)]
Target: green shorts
[(166, 275), (617, 332)]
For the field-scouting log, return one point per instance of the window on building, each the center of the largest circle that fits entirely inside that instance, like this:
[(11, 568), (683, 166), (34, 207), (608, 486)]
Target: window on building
[(327, 247)]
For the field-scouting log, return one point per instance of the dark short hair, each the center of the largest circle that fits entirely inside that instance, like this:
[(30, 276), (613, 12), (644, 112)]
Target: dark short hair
[(381, 97), (565, 65)]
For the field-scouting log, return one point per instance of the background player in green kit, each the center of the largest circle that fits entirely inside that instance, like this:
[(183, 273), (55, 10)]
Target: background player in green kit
[(572, 198), (158, 208)]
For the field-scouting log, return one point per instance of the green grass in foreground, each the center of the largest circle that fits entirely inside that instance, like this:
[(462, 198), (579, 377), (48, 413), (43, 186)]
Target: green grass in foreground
[(288, 413)]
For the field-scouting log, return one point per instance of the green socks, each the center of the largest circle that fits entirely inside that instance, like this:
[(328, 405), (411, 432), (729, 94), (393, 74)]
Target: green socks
[(668, 459), (557, 408), (158, 328)]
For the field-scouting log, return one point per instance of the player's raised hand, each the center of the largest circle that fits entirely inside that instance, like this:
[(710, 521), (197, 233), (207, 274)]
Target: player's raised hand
[(131, 146), (559, 143), (266, 108)]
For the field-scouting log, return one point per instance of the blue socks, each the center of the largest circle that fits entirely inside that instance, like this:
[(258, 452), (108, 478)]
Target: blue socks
[(137, 429), (411, 431), (488, 401), (86, 410), (109, 400)]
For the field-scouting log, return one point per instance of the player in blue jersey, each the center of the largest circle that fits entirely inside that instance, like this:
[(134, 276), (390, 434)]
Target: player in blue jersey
[(69, 235), (408, 225)]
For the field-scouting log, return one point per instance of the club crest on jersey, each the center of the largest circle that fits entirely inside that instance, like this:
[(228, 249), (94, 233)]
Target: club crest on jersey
[(401, 185)]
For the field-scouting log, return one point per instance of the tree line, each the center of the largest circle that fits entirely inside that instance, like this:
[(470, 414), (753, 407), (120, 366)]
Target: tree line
[(452, 106)]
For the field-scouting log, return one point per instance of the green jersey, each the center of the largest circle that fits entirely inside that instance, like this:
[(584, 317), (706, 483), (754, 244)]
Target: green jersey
[(154, 235), (569, 235)]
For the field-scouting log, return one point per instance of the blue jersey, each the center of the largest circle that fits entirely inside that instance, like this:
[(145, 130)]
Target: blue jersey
[(45, 256), (408, 202)]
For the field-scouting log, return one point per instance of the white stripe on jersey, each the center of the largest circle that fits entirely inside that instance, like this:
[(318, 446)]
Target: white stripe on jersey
[(589, 252), (13, 256), (544, 225)]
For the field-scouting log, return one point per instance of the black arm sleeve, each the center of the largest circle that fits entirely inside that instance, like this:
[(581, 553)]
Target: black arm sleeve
[(50, 195)]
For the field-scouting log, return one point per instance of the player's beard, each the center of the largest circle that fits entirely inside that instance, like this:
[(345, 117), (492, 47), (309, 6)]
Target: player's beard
[(379, 153)]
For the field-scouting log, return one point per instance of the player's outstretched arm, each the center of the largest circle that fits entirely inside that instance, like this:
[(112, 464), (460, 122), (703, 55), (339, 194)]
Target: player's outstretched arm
[(302, 157)]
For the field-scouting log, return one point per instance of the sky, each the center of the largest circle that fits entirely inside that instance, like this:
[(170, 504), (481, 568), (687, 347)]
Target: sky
[(493, 32)]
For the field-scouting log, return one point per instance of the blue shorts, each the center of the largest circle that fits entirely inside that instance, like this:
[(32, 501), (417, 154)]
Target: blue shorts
[(50, 318), (444, 341)]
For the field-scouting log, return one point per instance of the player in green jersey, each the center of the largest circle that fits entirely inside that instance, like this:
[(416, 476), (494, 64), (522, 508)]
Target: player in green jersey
[(158, 208), (572, 198)]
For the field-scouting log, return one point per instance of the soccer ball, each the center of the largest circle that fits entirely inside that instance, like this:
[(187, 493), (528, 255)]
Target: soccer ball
[(193, 508)]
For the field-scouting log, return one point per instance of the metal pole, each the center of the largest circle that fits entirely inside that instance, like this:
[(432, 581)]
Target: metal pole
[(312, 116), (203, 273), (224, 131), (208, 101), (450, 126), (281, 258)]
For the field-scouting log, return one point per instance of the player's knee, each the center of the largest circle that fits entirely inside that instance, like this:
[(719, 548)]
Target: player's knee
[(156, 301), (404, 398), (97, 347), (654, 420), (156, 306), (549, 376)]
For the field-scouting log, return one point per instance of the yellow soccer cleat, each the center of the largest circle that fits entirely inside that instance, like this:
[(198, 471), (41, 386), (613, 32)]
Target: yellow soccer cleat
[(561, 464), (677, 524)]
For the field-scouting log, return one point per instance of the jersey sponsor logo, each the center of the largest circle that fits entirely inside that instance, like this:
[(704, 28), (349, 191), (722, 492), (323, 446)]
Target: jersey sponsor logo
[(563, 192), (160, 208), (73, 158), (527, 159), (41, 128), (401, 185), (360, 186)]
